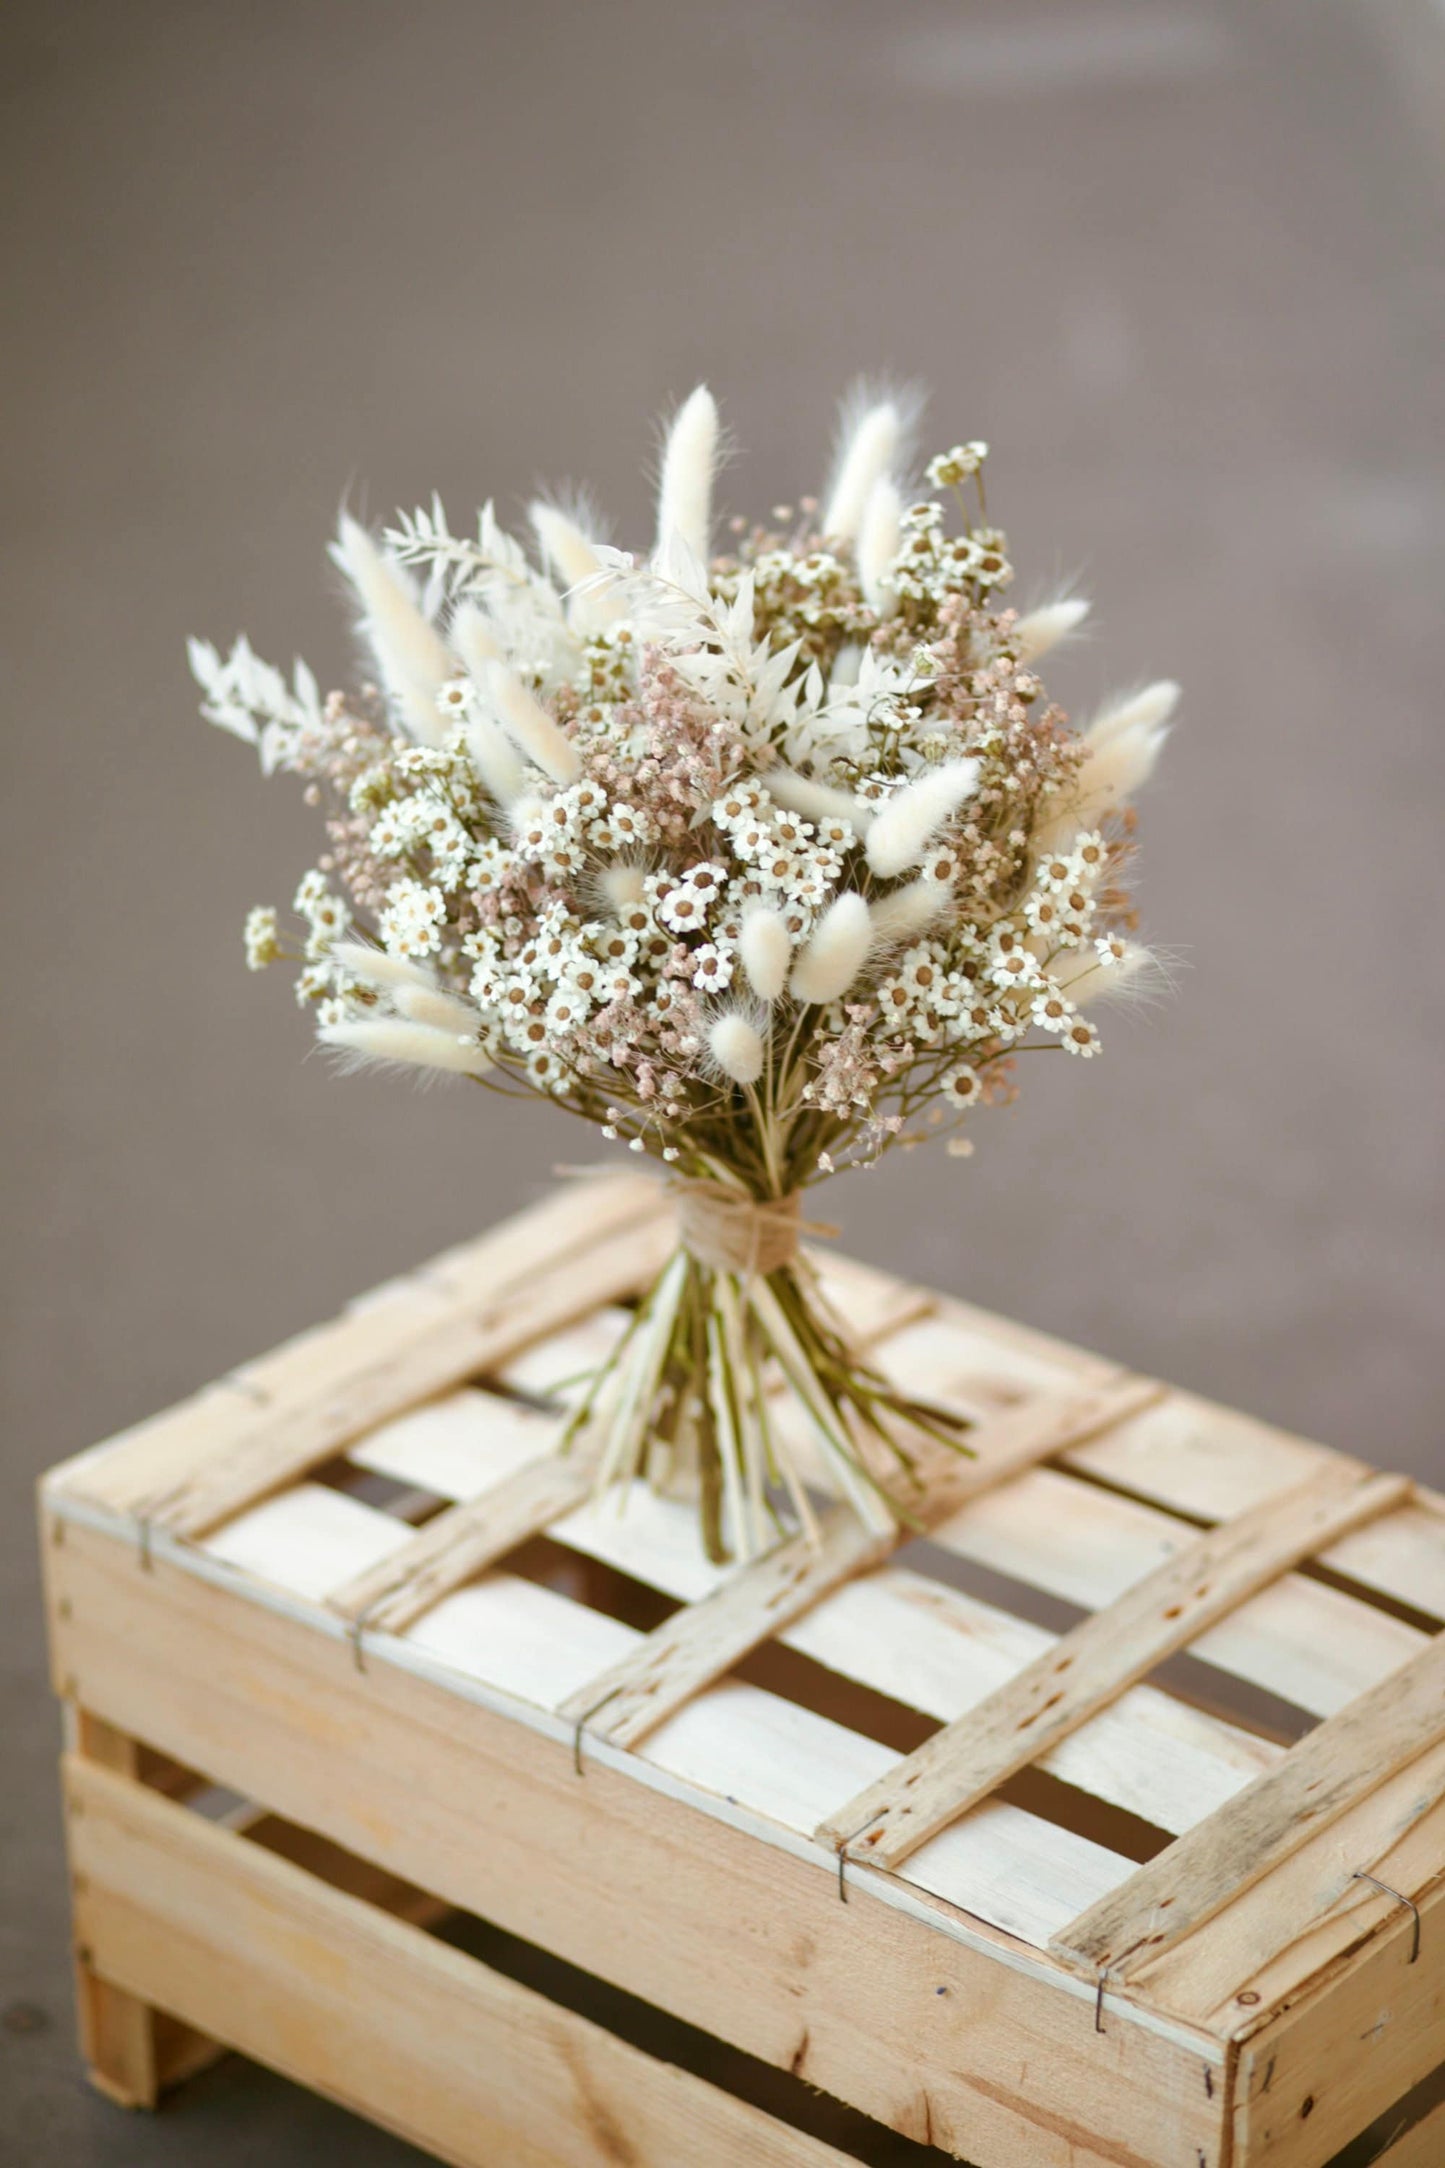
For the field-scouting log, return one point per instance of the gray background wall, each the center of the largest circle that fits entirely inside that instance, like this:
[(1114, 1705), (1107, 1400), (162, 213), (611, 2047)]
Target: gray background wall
[(1178, 260)]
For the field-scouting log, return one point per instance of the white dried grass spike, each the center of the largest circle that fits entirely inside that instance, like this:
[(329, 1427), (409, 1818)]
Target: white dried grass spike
[(411, 657), (901, 832), (878, 539), (1044, 628), (689, 461), (766, 949), (737, 1046), (865, 454), (836, 953), (411, 1046), (530, 727)]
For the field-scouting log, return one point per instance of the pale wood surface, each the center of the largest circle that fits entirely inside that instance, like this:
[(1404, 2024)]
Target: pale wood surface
[(1310, 1912), (1349, 2049), (698, 1644), (1421, 2147), (369, 2010), (396, 1765), (118, 2032), (458, 1544), (1309, 1643), (196, 1467), (1341, 1761), (1091, 1665)]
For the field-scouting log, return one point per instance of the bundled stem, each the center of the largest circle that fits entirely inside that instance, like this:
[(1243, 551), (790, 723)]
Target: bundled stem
[(695, 1398)]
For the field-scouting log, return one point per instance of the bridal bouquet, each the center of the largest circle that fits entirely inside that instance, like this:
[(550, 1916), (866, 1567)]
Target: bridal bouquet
[(766, 861)]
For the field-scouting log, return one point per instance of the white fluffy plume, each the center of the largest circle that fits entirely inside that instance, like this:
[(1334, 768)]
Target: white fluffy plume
[(766, 951), (411, 657), (736, 1045), (902, 830), (907, 911), (814, 800), (836, 952), (878, 538), (530, 727), (689, 462), (1121, 749), (1044, 628), (575, 560), (413, 1046), (866, 451)]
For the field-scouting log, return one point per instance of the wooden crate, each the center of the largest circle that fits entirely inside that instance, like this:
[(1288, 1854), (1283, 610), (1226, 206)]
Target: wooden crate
[(506, 1819)]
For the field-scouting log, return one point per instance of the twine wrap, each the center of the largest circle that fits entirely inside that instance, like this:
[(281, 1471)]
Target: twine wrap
[(729, 1231)]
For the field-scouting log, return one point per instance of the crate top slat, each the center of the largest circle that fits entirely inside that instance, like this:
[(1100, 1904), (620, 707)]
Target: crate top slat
[(1173, 1525)]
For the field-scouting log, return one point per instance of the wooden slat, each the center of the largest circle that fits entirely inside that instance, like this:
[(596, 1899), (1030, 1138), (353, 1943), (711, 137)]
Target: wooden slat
[(1092, 1665), (396, 1764), (698, 1644), (1421, 2146), (1300, 1921), (461, 1543), (1340, 1761), (1188, 1454), (335, 1993), (156, 1460), (280, 1446)]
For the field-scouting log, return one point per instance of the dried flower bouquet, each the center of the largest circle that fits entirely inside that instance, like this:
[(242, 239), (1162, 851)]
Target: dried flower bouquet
[(766, 862)]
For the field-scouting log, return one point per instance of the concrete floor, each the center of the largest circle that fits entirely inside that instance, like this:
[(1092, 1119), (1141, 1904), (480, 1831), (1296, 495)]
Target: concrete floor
[(1177, 259)]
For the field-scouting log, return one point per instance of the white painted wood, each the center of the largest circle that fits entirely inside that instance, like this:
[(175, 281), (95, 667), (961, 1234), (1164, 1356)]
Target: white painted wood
[(558, 1367), (1297, 1638), (654, 1539), (459, 1445), (940, 1651), (310, 1539), (522, 1638), (758, 1751)]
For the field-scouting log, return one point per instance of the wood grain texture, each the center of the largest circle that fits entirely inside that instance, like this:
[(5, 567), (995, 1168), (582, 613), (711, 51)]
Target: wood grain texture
[(271, 1419), (461, 1543), (1422, 2146), (361, 2006), (698, 1644), (1339, 1762), (1338, 2057), (1090, 1666), (463, 1342), (406, 1770)]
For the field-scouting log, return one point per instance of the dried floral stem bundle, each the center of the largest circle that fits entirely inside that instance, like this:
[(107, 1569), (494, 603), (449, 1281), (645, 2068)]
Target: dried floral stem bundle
[(765, 861)]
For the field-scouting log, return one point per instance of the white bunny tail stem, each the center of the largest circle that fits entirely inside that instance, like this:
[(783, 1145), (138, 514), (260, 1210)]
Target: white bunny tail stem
[(689, 462), (411, 657)]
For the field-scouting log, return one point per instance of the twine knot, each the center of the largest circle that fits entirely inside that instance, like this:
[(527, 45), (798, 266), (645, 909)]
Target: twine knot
[(726, 1229)]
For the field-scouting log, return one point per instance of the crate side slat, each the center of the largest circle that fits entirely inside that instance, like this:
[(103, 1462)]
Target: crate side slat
[(336, 1994), (281, 1444), (1421, 2146), (1343, 2054), (1309, 1643), (1093, 1663), (1341, 1761), (1311, 1911), (392, 1763)]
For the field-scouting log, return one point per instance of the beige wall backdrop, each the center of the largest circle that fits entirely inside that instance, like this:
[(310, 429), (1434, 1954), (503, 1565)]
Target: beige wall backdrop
[(1178, 260)]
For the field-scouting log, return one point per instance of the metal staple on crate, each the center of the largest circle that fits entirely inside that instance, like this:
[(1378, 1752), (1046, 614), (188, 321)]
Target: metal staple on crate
[(1362, 1874), (581, 1725)]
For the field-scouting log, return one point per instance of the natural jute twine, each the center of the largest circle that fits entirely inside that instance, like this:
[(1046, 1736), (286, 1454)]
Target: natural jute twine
[(731, 1232)]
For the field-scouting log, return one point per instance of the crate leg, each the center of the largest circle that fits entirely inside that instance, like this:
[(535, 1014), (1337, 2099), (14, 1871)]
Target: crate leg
[(131, 2050)]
